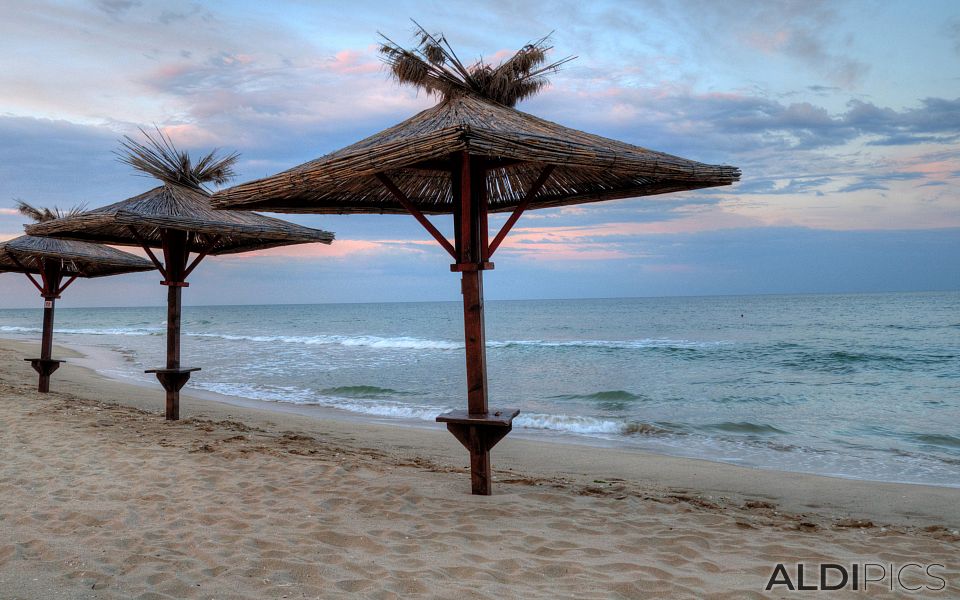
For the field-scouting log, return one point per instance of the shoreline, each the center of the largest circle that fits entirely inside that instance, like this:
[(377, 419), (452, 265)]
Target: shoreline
[(104, 363), (539, 457)]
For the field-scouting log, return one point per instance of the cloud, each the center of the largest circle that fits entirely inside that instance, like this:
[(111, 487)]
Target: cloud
[(340, 249), (797, 34), (952, 28), (117, 8), (713, 126), (50, 162), (823, 89), (799, 185), (567, 239), (863, 185)]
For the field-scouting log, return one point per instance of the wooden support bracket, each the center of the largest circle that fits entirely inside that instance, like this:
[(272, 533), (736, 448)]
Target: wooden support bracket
[(461, 267), (35, 283), (44, 367), (148, 250), (172, 381), (419, 216), (66, 285), (531, 192), (203, 253)]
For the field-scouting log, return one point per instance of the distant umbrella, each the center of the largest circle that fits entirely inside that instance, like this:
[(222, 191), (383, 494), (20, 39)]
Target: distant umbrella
[(177, 218), (53, 260)]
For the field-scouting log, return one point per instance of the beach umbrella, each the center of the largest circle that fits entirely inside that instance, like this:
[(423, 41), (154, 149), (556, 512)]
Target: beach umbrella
[(470, 155), (176, 217), (53, 261)]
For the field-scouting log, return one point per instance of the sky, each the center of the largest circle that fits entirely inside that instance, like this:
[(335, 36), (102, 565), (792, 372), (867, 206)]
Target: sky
[(844, 117)]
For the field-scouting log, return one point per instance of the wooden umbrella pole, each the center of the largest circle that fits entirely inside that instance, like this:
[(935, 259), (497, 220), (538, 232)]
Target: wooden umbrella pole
[(51, 275), (173, 377), (475, 341), (473, 215), (174, 308), (476, 428), (46, 344)]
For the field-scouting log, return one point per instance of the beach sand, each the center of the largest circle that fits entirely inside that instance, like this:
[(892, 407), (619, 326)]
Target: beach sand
[(101, 498)]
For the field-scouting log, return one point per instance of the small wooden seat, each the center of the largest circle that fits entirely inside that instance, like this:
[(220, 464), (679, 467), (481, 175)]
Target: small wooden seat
[(177, 370), (40, 361), (498, 418), (172, 380), (44, 366), (479, 433)]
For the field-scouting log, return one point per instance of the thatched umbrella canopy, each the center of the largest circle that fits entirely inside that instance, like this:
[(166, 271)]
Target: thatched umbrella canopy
[(177, 218), (471, 154), (516, 146), (53, 260), (143, 220), (26, 254)]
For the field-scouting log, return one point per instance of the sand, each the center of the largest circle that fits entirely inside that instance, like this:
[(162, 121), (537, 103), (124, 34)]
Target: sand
[(101, 498)]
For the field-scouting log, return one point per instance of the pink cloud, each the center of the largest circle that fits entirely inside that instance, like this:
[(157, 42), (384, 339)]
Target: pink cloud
[(941, 169), (499, 56), (769, 42), (341, 249), (603, 241), (242, 59), (705, 221), (188, 134), (352, 61), (561, 252), (171, 71)]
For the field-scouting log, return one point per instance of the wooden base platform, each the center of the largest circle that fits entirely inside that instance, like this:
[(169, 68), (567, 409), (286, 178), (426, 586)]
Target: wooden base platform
[(172, 380), (479, 433), (44, 366)]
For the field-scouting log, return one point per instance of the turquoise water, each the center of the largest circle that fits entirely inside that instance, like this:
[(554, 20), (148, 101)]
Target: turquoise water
[(864, 386)]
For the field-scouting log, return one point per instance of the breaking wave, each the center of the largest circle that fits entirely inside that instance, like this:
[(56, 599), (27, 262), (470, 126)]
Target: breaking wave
[(109, 331)]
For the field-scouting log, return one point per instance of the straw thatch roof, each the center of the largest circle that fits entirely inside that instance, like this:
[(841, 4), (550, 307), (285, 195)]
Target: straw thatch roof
[(25, 253), (140, 220), (416, 153), (180, 204)]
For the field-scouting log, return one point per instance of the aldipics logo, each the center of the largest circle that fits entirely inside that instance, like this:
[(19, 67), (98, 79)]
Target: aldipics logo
[(860, 577)]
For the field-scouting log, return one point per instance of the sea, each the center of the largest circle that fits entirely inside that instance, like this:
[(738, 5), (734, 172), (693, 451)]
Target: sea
[(861, 386)]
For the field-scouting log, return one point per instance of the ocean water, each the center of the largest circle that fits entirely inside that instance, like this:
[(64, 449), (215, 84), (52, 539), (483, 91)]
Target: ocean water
[(863, 386)]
